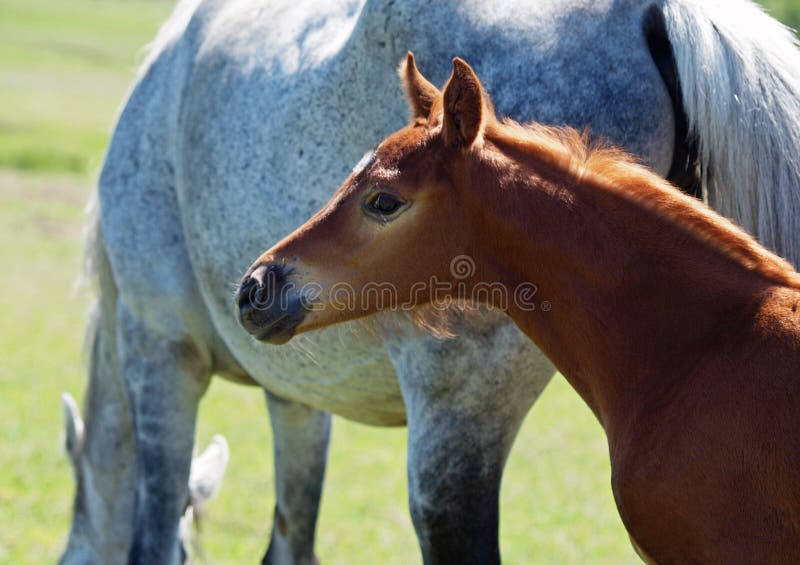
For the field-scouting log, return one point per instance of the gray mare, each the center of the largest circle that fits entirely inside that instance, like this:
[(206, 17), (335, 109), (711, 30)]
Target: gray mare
[(248, 114)]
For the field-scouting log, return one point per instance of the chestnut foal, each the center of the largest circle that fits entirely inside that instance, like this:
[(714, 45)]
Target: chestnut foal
[(678, 330)]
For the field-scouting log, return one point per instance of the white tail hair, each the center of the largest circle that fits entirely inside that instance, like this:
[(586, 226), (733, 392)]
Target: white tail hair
[(740, 76)]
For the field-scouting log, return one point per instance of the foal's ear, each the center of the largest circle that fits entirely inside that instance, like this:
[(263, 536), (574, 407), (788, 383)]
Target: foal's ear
[(421, 94), (466, 108)]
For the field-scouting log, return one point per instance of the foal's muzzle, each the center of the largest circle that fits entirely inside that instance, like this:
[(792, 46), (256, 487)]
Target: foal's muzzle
[(270, 307)]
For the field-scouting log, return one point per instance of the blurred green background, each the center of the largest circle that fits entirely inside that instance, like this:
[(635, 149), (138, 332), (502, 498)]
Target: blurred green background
[(64, 69)]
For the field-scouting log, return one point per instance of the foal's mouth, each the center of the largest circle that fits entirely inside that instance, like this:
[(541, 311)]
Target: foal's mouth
[(280, 331), (277, 328)]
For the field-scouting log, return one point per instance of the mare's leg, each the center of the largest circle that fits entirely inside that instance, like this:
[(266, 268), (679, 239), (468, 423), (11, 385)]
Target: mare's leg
[(465, 399), (300, 437), (102, 448), (166, 373)]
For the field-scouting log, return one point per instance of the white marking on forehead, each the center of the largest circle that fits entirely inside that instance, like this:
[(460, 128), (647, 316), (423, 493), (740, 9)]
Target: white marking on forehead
[(385, 175), (365, 161)]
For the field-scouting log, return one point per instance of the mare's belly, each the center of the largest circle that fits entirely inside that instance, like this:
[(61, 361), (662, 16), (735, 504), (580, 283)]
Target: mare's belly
[(343, 369)]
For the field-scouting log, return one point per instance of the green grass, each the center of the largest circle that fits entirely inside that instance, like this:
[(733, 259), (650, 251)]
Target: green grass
[(64, 69), (787, 11)]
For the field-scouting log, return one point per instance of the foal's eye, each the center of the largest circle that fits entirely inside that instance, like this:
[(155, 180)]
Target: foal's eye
[(384, 204)]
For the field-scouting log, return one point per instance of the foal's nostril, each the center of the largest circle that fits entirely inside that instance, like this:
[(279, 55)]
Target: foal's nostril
[(253, 290), (244, 296), (259, 274), (256, 294)]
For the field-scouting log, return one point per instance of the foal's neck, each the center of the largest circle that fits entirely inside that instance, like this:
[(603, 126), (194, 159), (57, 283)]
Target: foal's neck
[(635, 295)]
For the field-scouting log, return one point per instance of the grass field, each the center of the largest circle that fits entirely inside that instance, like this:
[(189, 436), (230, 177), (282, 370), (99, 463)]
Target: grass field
[(64, 68)]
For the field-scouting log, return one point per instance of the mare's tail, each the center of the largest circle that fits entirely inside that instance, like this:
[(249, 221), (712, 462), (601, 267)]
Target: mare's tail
[(739, 72)]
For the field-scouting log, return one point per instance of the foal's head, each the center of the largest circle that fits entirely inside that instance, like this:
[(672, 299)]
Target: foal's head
[(395, 235)]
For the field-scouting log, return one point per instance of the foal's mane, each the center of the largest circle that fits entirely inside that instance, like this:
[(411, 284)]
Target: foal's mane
[(611, 169)]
